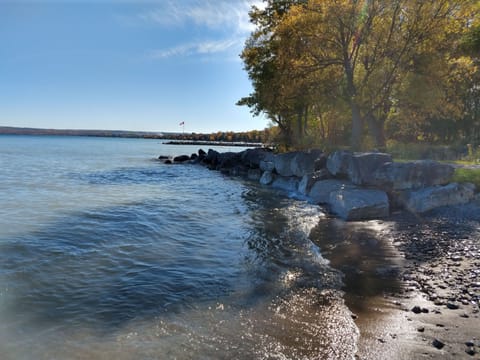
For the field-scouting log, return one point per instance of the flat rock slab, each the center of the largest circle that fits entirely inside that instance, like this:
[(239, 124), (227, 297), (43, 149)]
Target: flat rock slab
[(426, 199), (359, 204), (320, 191)]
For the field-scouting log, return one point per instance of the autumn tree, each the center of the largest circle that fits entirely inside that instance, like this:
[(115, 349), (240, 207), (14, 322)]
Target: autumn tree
[(369, 56)]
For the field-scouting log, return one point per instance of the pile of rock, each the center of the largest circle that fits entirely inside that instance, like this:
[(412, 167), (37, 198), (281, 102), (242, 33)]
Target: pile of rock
[(354, 186)]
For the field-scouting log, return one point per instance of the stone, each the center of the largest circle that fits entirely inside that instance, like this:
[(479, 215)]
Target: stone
[(320, 191), (423, 200), (202, 153), (362, 166), (267, 178), (359, 204), (181, 158), (417, 309), (283, 163), (452, 306), (438, 344), (253, 157), (411, 175), (163, 157), (267, 165), (211, 157), (338, 163), (254, 174), (289, 184), (228, 159), (308, 180), (306, 162)]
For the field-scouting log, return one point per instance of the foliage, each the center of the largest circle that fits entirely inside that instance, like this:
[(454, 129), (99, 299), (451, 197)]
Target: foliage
[(326, 70), (467, 175)]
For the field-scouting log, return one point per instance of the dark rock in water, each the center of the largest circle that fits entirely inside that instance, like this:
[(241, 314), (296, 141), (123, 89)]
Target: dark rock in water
[(438, 344), (201, 152), (163, 157), (181, 158), (193, 157), (211, 158), (168, 162), (253, 157), (228, 160)]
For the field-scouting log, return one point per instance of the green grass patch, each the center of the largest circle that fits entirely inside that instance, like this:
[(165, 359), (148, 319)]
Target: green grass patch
[(467, 175)]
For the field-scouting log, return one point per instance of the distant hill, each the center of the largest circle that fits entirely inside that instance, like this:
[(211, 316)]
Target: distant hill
[(103, 133)]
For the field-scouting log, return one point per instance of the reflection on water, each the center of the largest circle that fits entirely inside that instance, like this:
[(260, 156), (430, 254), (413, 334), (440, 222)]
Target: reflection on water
[(105, 255)]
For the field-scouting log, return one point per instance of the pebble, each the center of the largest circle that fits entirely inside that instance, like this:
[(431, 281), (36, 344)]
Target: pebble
[(452, 306), (438, 344), (421, 329), (470, 351)]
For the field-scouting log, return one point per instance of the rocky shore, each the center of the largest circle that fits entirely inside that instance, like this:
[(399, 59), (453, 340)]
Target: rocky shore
[(352, 186), (412, 255)]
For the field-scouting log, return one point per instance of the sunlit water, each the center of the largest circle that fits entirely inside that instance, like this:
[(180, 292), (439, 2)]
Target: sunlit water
[(106, 253)]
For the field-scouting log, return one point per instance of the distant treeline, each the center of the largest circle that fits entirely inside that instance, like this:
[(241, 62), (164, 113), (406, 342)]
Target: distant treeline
[(253, 136)]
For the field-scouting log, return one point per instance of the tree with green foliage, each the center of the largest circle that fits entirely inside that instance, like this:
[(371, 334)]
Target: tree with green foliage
[(371, 58)]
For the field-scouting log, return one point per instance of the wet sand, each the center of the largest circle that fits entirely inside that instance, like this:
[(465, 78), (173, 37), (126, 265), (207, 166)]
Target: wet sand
[(413, 283)]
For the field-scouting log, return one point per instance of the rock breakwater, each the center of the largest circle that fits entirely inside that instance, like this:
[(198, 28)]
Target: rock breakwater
[(353, 186)]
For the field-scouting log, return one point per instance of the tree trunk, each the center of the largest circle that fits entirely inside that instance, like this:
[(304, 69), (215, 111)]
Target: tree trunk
[(377, 131), (357, 126)]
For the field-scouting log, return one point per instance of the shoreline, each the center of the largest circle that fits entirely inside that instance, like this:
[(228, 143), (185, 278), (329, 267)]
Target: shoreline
[(413, 314)]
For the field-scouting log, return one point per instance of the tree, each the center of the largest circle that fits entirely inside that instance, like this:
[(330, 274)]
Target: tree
[(363, 55)]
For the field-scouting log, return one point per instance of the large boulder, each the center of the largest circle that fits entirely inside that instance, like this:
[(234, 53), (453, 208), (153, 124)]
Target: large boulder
[(211, 158), (411, 175), (181, 158), (308, 180), (320, 191), (338, 163), (283, 163), (359, 204), (426, 199), (252, 157), (228, 159), (267, 178), (306, 162), (289, 184), (361, 166)]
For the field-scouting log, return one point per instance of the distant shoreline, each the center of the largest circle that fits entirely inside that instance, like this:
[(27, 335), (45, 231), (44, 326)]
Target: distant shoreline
[(173, 138)]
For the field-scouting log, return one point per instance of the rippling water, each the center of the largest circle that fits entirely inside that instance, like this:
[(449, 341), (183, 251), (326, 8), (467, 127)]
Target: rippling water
[(106, 253)]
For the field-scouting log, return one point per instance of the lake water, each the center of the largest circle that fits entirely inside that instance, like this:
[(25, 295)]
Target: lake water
[(106, 253)]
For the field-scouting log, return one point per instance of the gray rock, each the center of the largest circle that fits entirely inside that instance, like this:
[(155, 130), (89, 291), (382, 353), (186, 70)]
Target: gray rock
[(267, 165), (320, 191), (211, 157), (306, 162), (308, 180), (181, 158), (267, 178), (228, 159), (338, 163), (359, 204), (254, 174), (411, 175), (286, 183), (283, 163), (423, 200), (362, 166), (252, 157)]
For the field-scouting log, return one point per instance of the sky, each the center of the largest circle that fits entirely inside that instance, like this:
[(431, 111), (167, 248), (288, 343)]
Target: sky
[(120, 65)]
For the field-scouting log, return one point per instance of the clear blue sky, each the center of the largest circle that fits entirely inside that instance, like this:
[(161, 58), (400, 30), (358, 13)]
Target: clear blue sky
[(125, 65)]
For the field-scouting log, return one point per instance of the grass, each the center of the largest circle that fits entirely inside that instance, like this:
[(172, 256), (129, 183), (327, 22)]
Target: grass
[(467, 175)]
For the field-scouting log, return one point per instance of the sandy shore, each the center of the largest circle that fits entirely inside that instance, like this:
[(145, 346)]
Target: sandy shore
[(413, 283)]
